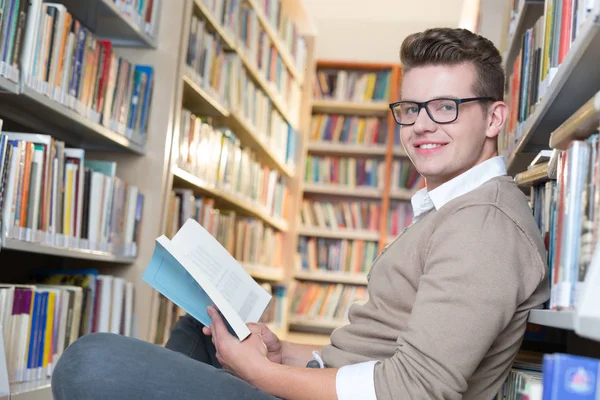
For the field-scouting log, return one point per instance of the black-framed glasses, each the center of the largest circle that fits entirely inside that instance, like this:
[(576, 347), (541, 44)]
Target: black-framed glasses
[(441, 110)]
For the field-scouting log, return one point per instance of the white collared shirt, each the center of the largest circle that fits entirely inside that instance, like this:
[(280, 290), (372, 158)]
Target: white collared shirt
[(357, 381)]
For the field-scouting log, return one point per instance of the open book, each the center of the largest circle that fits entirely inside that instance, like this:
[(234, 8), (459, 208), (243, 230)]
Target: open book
[(194, 271)]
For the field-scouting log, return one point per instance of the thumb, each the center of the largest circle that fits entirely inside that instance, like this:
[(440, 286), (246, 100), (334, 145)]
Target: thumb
[(217, 327)]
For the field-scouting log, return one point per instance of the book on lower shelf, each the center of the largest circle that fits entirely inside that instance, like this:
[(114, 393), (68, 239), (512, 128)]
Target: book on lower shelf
[(324, 304), (42, 318), (195, 271), (56, 196), (216, 156), (570, 228), (249, 240)]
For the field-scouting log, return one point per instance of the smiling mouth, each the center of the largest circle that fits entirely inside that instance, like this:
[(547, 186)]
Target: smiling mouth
[(430, 146)]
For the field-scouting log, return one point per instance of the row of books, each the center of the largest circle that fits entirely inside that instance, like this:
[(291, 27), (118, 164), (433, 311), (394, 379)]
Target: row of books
[(405, 175), (54, 195), (222, 76), (570, 227), (325, 302), (286, 29), (230, 14), (558, 376), (338, 255), (354, 86), (41, 319), (256, 110), (543, 48), (344, 129), (262, 53), (399, 217), (340, 215), (169, 313), (219, 69), (63, 60), (144, 14), (345, 171), (208, 62), (248, 240), (216, 156)]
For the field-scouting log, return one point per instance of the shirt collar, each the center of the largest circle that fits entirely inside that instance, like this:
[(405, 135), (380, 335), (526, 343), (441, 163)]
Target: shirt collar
[(424, 201)]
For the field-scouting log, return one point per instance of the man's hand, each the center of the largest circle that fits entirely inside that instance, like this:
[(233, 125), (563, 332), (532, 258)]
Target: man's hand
[(274, 345), (245, 359)]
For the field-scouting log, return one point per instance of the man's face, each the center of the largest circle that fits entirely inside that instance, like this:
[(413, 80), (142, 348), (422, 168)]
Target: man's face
[(459, 145)]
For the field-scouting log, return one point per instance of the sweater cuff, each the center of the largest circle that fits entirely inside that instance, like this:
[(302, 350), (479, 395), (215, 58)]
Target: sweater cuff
[(356, 381)]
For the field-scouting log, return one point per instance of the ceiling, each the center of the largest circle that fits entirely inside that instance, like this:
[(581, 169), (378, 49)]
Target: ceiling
[(373, 30)]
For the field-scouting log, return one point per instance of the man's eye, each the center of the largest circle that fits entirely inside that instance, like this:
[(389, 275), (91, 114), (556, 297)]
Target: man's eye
[(411, 110)]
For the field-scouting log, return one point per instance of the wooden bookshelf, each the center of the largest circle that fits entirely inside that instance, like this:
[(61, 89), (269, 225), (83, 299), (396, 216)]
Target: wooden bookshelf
[(385, 152)]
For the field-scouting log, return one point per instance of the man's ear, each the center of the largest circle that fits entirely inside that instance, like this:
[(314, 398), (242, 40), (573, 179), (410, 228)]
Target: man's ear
[(497, 115)]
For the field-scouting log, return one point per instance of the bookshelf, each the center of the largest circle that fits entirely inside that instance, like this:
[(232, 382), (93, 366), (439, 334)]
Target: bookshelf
[(561, 93), (238, 137), (554, 104), (345, 214), (139, 140)]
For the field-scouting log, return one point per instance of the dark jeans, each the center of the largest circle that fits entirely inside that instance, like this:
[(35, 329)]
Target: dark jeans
[(107, 366)]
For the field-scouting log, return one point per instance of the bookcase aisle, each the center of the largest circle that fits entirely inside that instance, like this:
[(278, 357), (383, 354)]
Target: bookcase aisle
[(551, 146), (242, 110)]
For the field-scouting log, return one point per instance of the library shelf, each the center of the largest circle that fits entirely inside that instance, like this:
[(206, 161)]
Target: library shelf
[(236, 202), (372, 108), (339, 190), (250, 138), (107, 21), (214, 26), (555, 319), (578, 126), (267, 88), (346, 149), (62, 251), (36, 390), (332, 277), (63, 123), (8, 86), (262, 273), (298, 322), (350, 234), (401, 194), (575, 82), (277, 42), (199, 100), (533, 176), (253, 72), (530, 10)]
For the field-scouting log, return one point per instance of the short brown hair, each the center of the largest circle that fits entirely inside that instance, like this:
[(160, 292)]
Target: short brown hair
[(449, 46)]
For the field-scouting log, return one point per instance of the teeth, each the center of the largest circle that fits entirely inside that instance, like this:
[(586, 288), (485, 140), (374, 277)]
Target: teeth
[(430, 146)]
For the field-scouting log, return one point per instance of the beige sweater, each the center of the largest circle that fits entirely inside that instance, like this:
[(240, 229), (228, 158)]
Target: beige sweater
[(449, 299)]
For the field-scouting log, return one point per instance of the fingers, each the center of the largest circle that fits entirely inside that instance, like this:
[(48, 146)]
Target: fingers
[(218, 329), (206, 330)]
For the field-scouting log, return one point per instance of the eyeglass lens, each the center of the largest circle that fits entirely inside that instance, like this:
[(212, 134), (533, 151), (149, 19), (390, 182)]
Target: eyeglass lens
[(441, 111)]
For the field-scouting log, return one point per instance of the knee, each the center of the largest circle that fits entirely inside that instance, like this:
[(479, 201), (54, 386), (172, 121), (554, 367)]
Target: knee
[(82, 363)]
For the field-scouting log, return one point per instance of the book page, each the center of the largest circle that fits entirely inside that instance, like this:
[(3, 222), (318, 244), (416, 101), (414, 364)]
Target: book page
[(208, 262)]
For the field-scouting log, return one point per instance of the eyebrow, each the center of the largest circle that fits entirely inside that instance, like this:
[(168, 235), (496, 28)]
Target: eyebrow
[(448, 96)]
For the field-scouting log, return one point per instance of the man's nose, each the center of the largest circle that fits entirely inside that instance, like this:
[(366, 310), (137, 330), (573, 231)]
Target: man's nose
[(424, 124)]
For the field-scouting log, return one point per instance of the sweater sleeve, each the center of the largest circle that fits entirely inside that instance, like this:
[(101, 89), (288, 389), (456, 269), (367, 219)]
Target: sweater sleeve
[(478, 267)]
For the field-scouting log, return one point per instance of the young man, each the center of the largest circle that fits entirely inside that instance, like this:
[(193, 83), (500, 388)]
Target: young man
[(448, 299)]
